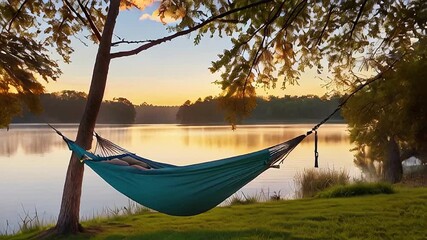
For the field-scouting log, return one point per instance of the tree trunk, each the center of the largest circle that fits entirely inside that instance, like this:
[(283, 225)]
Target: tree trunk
[(392, 165), (68, 220)]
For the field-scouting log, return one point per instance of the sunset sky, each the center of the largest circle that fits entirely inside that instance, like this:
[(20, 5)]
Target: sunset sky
[(168, 74)]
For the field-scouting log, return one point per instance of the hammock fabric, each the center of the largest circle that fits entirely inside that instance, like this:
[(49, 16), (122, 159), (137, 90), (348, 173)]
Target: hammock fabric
[(179, 190)]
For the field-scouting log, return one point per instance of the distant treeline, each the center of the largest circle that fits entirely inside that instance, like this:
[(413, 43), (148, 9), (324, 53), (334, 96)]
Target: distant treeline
[(67, 107), (150, 114), (308, 108)]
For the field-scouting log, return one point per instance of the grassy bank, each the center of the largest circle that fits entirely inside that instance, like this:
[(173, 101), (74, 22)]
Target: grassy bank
[(402, 215)]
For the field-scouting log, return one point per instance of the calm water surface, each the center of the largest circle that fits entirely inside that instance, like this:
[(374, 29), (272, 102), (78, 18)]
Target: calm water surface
[(34, 161)]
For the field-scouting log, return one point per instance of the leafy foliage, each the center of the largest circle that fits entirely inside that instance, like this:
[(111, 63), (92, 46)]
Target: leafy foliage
[(22, 60), (30, 30), (279, 39), (391, 108), (9, 106), (271, 40)]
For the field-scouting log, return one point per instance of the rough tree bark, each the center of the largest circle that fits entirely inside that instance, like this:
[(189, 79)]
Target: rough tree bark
[(392, 165), (68, 220)]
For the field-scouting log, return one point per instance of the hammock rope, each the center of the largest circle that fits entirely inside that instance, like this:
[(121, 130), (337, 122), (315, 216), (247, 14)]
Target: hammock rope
[(105, 147)]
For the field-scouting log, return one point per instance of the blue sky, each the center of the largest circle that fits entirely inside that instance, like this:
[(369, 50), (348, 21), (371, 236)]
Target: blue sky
[(167, 74)]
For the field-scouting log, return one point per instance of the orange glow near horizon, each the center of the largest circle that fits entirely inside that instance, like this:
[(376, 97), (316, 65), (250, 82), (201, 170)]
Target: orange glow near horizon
[(167, 75), (174, 93)]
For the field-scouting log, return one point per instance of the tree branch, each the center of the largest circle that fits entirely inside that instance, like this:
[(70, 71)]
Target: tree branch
[(319, 40), (122, 40), (15, 15), (184, 32), (130, 42), (75, 12), (288, 21), (357, 18), (261, 46), (291, 18), (91, 23), (81, 41), (235, 21), (301, 6)]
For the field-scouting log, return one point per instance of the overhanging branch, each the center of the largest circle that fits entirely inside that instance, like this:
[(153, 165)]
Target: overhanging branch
[(72, 9), (328, 18), (91, 23), (357, 18), (184, 32), (261, 45), (129, 42), (15, 15)]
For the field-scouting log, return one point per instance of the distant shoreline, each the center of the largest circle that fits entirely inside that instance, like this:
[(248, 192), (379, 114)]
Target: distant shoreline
[(247, 123)]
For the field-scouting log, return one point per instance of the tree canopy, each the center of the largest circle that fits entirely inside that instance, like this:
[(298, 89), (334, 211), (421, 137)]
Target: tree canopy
[(30, 32), (281, 39), (392, 108), (273, 41)]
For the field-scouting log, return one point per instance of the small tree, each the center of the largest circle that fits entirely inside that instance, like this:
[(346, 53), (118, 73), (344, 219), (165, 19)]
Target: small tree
[(388, 118)]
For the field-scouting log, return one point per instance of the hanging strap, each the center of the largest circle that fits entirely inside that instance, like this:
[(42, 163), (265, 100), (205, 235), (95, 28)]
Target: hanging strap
[(316, 153), (357, 89), (316, 140)]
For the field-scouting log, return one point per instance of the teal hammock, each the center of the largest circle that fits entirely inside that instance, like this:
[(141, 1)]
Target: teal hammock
[(178, 190)]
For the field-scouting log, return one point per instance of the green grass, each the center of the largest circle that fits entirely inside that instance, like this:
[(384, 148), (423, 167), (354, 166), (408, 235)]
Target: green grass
[(357, 189), (402, 215)]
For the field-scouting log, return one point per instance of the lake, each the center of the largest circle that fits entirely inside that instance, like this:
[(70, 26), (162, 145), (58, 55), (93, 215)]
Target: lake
[(34, 161)]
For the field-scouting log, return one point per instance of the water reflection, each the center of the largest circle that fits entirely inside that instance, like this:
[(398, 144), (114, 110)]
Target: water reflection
[(34, 158), (250, 137), (31, 142), (119, 135), (42, 140)]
